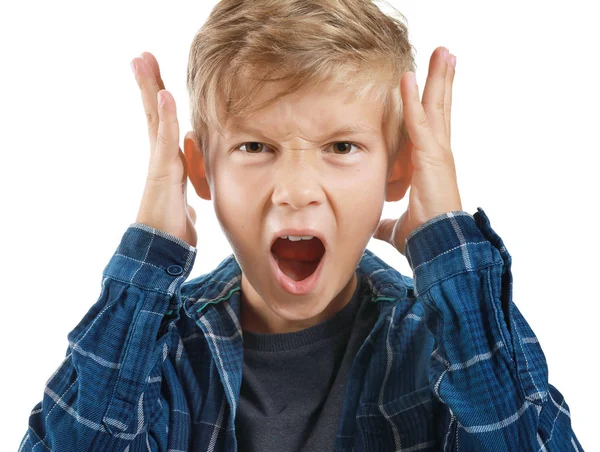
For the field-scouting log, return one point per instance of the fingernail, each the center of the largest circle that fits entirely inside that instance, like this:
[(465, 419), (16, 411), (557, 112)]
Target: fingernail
[(133, 67), (453, 60)]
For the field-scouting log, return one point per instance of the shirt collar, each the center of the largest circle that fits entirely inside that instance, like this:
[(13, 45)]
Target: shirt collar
[(210, 289)]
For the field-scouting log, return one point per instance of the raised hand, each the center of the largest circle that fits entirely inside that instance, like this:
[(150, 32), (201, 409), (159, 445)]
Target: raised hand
[(164, 202), (434, 188)]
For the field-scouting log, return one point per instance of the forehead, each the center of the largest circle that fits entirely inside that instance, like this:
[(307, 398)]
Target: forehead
[(313, 113)]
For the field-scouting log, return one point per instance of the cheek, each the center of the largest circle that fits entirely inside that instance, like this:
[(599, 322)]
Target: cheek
[(362, 213), (362, 193), (359, 214), (236, 208), (360, 199)]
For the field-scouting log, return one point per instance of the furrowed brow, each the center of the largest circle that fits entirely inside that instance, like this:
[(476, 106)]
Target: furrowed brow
[(345, 130)]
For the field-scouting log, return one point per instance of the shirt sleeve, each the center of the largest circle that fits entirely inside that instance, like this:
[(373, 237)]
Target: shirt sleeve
[(104, 395), (487, 365)]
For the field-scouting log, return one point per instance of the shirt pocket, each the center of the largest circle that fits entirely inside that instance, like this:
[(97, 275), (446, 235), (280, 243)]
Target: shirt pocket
[(403, 423)]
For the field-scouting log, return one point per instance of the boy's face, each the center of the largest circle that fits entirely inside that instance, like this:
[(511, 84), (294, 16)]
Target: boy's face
[(290, 172)]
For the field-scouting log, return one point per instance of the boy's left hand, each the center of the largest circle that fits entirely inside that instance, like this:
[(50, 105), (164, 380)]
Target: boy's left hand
[(433, 187)]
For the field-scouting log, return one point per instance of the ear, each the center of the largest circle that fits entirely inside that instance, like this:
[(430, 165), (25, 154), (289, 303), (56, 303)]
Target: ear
[(399, 175), (196, 164)]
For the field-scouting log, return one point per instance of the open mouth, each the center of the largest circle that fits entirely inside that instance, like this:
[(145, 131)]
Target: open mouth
[(298, 259)]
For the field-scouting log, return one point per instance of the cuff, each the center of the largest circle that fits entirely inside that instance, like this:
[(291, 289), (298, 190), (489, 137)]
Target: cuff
[(151, 259), (450, 243)]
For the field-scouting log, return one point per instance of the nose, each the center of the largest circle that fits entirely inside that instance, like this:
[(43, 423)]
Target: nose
[(298, 180)]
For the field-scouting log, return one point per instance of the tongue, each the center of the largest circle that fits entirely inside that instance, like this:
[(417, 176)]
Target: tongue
[(297, 270), (298, 260)]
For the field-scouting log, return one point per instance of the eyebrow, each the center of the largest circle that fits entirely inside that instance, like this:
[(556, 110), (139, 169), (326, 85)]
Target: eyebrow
[(345, 130)]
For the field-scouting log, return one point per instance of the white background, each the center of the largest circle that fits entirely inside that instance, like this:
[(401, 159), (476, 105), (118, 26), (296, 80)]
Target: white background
[(75, 153)]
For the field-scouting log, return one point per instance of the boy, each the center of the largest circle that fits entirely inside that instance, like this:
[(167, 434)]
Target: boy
[(303, 339)]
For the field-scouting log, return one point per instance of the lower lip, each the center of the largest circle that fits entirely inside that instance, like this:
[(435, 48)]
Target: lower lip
[(297, 287)]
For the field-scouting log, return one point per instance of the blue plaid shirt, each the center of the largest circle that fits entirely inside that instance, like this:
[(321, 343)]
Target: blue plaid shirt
[(450, 364)]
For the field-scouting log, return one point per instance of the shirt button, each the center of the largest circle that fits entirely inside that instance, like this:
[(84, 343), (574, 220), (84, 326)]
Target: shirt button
[(174, 270)]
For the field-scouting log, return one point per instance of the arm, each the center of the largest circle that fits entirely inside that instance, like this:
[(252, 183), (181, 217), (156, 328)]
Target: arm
[(105, 395), (488, 366)]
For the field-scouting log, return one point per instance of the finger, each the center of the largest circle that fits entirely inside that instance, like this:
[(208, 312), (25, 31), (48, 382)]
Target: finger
[(151, 60), (434, 94), (417, 122), (448, 99), (146, 80), (167, 137)]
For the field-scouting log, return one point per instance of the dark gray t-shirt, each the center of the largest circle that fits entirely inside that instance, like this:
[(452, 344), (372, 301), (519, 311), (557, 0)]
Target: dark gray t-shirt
[(293, 384)]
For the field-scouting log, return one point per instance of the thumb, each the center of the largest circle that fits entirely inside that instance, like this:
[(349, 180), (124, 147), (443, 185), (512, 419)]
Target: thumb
[(385, 230), (192, 213), (190, 210)]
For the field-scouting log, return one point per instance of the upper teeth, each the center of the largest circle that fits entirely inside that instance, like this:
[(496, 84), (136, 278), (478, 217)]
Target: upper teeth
[(295, 238)]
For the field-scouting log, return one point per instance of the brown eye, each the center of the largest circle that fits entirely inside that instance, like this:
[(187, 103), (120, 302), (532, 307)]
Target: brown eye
[(344, 147), (254, 147)]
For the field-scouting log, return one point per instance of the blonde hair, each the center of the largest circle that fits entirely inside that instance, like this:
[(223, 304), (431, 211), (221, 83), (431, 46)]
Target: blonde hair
[(245, 44)]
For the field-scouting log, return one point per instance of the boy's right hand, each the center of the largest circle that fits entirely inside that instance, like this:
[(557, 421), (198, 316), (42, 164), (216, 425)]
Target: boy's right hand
[(164, 202)]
